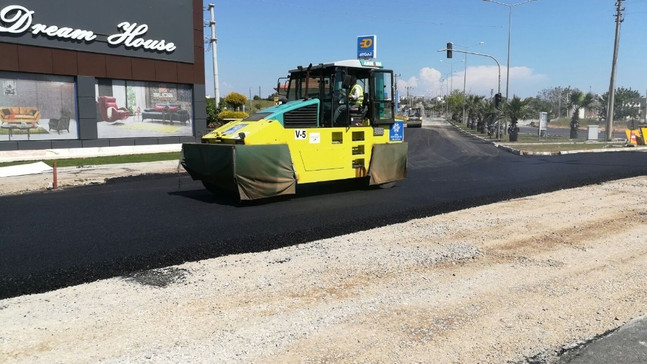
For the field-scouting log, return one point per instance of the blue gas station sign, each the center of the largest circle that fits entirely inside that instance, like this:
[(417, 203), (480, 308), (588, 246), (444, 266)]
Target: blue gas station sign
[(367, 46)]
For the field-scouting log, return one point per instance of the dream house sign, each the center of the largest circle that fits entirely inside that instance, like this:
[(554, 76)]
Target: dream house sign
[(154, 28)]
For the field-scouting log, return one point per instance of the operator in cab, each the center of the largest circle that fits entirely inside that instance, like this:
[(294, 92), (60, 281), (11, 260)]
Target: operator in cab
[(356, 96), (355, 101)]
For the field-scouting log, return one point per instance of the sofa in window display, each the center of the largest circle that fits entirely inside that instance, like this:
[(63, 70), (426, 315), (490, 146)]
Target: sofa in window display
[(20, 115), (109, 111), (166, 113)]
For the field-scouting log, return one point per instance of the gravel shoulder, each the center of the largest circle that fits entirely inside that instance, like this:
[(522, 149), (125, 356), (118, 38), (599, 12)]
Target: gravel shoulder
[(516, 281)]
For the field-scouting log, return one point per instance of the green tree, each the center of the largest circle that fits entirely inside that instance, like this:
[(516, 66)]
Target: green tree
[(554, 101), (514, 110), (537, 105), (484, 114), (578, 100), (490, 116), (455, 103), (473, 108), (625, 103), (212, 113), (235, 100), (439, 107)]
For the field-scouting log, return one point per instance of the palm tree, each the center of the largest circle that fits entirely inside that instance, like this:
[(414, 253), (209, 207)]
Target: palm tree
[(577, 101), (473, 108), (455, 104), (488, 116), (516, 109)]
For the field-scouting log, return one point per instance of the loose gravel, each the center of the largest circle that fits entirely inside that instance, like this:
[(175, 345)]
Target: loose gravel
[(513, 282)]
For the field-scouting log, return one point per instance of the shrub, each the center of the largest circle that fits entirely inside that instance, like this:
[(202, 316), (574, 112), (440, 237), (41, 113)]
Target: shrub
[(230, 114), (235, 100), (212, 111)]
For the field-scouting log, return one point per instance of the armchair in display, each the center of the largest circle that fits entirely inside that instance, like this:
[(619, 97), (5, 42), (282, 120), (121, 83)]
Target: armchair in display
[(109, 111), (62, 123)]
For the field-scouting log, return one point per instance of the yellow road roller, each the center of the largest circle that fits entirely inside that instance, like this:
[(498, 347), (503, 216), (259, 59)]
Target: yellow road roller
[(320, 131)]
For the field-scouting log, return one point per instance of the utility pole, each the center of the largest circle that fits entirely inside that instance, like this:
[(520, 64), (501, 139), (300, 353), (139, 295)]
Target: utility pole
[(510, 6), (410, 96), (619, 20), (447, 96), (214, 52), (397, 95), (464, 85)]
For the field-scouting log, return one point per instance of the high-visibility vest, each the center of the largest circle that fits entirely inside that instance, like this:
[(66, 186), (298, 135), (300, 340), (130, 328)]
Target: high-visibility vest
[(360, 99)]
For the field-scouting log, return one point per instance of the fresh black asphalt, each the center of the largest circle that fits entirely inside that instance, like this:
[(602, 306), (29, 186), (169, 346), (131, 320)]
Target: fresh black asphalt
[(626, 345), (54, 239)]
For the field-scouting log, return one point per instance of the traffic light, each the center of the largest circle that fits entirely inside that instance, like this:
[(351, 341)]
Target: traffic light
[(497, 100), (449, 49)]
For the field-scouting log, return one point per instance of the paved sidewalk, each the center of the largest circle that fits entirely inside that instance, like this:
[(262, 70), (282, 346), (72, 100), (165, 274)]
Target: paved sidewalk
[(63, 153), (84, 175)]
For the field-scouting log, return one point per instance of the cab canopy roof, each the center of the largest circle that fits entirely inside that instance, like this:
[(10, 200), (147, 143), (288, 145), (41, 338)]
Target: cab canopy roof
[(352, 63)]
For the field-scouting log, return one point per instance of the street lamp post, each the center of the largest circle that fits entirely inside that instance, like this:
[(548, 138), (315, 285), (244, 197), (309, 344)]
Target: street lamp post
[(410, 96), (451, 73), (214, 52), (397, 95), (446, 99), (510, 6), (465, 76), (482, 55)]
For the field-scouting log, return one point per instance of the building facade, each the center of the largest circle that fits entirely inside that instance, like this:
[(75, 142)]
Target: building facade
[(86, 73)]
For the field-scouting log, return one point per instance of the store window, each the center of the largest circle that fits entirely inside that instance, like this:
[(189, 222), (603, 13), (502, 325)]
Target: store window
[(37, 107), (132, 109)]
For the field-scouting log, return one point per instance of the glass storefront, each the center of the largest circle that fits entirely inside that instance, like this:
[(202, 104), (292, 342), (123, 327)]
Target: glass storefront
[(37, 107), (133, 109), (42, 107)]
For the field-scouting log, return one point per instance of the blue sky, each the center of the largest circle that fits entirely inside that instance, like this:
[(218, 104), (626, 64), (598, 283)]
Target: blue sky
[(554, 43)]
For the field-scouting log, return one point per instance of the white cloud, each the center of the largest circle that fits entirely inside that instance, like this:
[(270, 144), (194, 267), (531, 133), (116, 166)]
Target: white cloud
[(481, 80), (410, 85), (430, 76), (427, 80), (524, 82), (411, 82)]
